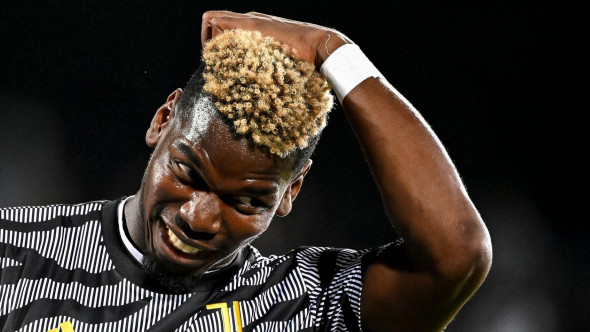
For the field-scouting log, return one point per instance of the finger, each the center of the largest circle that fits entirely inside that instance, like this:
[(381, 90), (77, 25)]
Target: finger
[(218, 25), (205, 32), (268, 17), (210, 19), (206, 26)]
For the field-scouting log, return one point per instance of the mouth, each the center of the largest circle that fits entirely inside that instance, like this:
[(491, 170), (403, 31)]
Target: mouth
[(177, 254), (177, 244), (181, 258)]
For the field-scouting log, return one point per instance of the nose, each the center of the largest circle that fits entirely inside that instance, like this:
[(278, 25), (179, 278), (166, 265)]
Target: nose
[(202, 213)]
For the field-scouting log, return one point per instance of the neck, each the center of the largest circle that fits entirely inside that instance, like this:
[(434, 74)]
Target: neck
[(134, 221)]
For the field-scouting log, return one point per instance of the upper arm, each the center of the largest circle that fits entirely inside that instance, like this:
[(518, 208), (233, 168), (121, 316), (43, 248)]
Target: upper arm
[(398, 296)]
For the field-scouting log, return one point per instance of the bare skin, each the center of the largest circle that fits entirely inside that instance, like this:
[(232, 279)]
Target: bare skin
[(207, 193), (447, 252)]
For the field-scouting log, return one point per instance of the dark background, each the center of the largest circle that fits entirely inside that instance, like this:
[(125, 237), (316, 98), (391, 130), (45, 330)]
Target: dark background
[(501, 84)]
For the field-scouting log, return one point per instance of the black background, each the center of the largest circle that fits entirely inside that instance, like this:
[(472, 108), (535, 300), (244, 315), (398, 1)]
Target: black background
[(500, 83)]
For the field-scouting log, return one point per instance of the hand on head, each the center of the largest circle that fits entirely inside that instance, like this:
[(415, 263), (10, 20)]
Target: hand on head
[(313, 42)]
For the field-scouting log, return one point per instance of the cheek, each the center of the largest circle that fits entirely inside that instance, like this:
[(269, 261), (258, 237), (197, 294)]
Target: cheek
[(243, 229), (160, 185), (158, 188)]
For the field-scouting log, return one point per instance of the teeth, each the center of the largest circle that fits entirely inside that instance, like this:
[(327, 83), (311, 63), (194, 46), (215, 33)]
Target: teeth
[(180, 245)]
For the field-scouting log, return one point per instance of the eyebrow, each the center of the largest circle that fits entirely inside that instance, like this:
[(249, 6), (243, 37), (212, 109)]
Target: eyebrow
[(262, 191), (184, 148), (257, 191)]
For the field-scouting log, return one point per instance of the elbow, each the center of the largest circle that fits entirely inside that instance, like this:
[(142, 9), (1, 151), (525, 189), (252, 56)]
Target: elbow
[(470, 259), (481, 252), (479, 262), (472, 269)]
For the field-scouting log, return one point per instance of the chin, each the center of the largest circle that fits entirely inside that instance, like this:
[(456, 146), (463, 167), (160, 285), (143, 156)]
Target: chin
[(175, 283)]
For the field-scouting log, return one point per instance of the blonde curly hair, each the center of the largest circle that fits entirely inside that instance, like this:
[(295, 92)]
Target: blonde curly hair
[(269, 95)]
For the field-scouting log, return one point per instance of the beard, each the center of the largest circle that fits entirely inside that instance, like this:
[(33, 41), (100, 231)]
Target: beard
[(151, 264), (154, 268), (173, 283)]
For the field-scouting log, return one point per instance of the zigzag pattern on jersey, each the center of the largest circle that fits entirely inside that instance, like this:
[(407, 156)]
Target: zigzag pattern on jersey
[(210, 322), (278, 285), (257, 273), (67, 240), (290, 292), (91, 297), (308, 289), (298, 323), (274, 283), (28, 214), (344, 300), (134, 316), (336, 294), (84, 282), (8, 262), (36, 267)]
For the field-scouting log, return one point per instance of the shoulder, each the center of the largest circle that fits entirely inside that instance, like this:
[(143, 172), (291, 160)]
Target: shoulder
[(58, 237), (311, 255), (322, 264), (36, 214)]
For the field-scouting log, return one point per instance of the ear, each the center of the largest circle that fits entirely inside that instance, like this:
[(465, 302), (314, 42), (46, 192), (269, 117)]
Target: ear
[(162, 119), (287, 201)]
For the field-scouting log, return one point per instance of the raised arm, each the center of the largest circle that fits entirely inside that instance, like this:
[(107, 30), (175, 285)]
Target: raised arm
[(446, 254)]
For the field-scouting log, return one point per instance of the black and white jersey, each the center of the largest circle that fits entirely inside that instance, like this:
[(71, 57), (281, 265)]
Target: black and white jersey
[(65, 268)]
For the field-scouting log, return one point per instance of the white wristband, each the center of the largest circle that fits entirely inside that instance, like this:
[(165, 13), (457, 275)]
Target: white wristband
[(346, 68)]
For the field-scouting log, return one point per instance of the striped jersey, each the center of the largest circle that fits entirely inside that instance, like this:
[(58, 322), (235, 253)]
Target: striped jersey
[(65, 268)]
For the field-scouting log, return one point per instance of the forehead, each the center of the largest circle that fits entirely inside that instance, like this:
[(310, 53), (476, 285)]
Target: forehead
[(204, 131), (194, 123)]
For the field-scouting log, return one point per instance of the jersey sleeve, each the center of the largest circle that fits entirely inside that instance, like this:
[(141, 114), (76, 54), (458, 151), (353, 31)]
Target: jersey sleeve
[(335, 281)]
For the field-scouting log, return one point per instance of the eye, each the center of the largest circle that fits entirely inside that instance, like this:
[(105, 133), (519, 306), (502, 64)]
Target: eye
[(182, 171), (245, 200), (184, 168), (249, 205)]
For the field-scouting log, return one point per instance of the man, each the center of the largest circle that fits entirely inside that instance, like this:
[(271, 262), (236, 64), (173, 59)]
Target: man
[(230, 152)]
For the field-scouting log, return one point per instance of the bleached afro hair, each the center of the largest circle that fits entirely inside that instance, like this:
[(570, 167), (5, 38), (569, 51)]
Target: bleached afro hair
[(270, 96)]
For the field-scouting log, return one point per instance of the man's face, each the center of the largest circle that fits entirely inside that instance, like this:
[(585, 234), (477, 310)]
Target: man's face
[(207, 193)]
